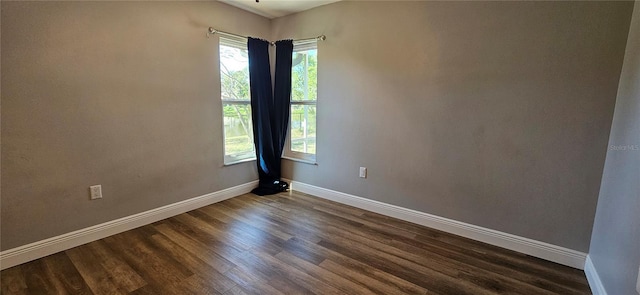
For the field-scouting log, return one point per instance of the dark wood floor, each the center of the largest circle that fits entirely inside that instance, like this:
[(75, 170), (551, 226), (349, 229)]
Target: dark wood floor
[(288, 244)]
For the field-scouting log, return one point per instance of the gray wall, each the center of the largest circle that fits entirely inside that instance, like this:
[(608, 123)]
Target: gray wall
[(491, 113), (123, 94), (496, 114), (615, 245)]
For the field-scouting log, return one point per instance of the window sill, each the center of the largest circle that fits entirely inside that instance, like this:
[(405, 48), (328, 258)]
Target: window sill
[(310, 162), (239, 162)]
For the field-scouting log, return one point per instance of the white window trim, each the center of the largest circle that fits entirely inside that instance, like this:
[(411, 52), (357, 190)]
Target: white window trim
[(240, 44), (311, 162), (239, 161), (287, 153)]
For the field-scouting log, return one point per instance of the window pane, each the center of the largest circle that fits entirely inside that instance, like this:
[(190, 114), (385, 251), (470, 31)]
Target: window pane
[(238, 132), (303, 128), (304, 83), (304, 75), (234, 82), (234, 73)]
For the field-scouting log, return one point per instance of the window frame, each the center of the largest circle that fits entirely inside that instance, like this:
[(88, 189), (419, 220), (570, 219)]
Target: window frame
[(228, 160), (288, 153)]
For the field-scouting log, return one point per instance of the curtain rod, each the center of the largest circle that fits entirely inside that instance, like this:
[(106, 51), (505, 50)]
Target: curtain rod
[(212, 31)]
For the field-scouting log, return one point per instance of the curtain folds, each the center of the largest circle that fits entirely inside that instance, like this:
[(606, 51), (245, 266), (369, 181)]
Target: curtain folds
[(269, 110), (282, 95)]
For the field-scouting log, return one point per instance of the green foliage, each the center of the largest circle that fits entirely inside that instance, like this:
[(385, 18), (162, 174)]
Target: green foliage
[(304, 83), (235, 84), (304, 86)]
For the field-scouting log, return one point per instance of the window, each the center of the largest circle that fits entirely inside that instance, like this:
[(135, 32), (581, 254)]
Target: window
[(236, 101), (301, 143)]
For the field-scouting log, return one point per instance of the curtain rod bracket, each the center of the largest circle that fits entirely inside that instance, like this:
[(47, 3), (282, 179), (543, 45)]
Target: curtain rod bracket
[(211, 31)]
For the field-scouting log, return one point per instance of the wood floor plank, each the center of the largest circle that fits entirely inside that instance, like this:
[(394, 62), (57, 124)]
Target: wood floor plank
[(196, 285), (216, 255), (281, 219), (288, 243), (346, 219), (220, 235), (237, 290), (533, 280), (333, 233), (364, 243), (119, 271), (297, 207), (506, 256), (312, 256), (190, 231), (328, 204), (422, 276), (295, 275), (252, 215), (349, 264), (513, 260), (13, 281), (64, 274), (462, 256), (219, 282), (488, 283), (330, 278), (252, 281), (260, 271), (96, 277), (376, 287), (545, 284), (148, 290), (38, 282), (436, 262), (254, 237), (144, 258), (254, 221)]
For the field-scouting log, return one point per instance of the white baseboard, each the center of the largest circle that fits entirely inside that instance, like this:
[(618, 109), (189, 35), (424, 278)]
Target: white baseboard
[(527, 246), (593, 278), (535, 248), (66, 241)]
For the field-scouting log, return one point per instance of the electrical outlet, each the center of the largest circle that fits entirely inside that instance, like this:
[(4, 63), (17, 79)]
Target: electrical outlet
[(363, 172), (96, 191)]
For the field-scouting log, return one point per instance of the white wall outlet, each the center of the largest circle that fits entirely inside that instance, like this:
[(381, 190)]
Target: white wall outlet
[(96, 191), (363, 172)]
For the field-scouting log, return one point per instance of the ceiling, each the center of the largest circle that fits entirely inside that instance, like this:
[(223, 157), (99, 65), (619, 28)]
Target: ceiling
[(276, 8)]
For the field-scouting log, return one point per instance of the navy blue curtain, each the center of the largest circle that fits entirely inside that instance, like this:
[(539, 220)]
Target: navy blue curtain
[(269, 110), (282, 95)]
